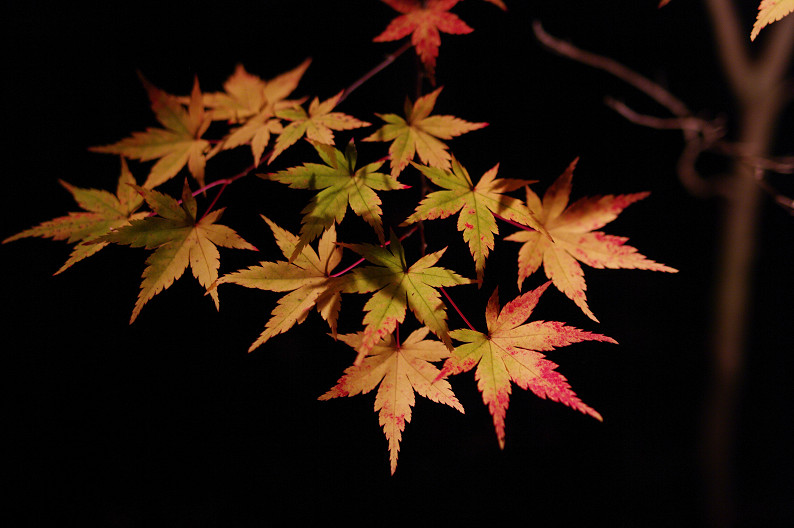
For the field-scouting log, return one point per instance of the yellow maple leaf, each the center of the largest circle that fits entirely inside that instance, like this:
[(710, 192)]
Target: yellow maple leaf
[(307, 278), (179, 240)]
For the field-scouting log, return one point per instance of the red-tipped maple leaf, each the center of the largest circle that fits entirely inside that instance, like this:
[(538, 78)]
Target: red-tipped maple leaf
[(102, 213), (771, 11), (401, 369), (510, 351), (176, 145), (179, 240), (423, 21), (573, 239), (307, 279), (420, 133), (477, 205)]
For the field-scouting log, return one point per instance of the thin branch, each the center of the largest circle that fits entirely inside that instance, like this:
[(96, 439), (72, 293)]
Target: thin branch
[(455, 306), (780, 199), (698, 134), (646, 86), (388, 60), (693, 124), (225, 182)]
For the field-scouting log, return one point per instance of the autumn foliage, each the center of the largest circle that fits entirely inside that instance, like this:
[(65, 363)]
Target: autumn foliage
[(408, 341)]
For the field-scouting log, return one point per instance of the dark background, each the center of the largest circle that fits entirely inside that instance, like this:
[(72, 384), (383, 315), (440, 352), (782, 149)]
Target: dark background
[(170, 421)]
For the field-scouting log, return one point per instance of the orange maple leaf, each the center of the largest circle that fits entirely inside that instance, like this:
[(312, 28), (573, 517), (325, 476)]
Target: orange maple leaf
[(400, 369), (423, 21), (573, 239), (245, 95), (510, 351), (253, 103), (178, 144)]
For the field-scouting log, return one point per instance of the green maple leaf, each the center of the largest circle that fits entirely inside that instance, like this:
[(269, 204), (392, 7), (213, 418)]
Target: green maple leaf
[(400, 369), (317, 124), (510, 351), (398, 287), (477, 205), (102, 213), (420, 133), (340, 184), (307, 278), (179, 240), (176, 145), (573, 239)]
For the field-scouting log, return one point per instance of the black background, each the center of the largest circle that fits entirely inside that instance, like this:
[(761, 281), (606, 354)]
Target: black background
[(170, 421)]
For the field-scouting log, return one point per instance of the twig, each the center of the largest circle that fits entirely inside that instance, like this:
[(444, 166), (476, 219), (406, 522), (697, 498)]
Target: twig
[(455, 306), (388, 60)]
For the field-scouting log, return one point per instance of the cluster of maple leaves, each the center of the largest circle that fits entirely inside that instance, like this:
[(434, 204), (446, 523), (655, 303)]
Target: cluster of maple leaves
[(260, 115)]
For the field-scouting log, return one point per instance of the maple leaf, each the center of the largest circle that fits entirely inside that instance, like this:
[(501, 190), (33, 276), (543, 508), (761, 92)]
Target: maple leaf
[(477, 205), (423, 20), (179, 240), (770, 11), (307, 278), (340, 184), (317, 125), (176, 145), (510, 351), (102, 213), (249, 100), (400, 369), (420, 133), (245, 95), (397, 287), (573, 239)]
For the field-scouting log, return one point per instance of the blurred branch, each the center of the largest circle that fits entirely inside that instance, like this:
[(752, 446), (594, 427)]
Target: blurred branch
[(700, 135)]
